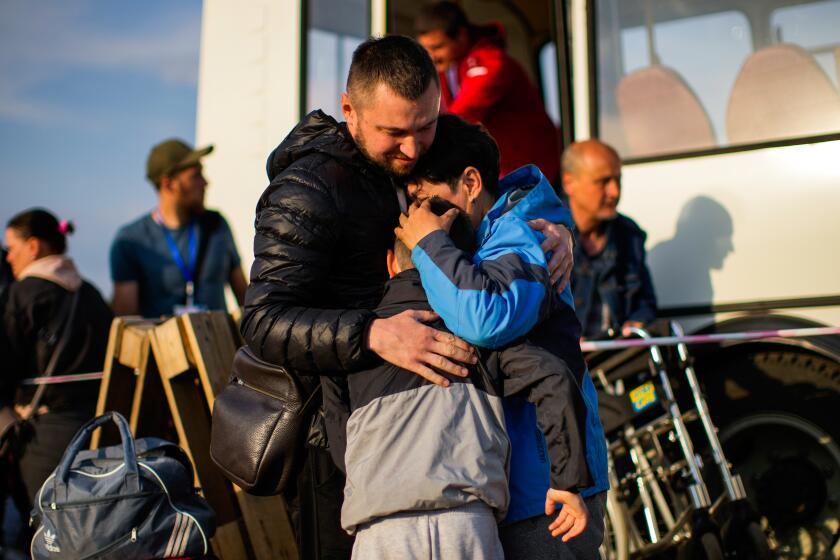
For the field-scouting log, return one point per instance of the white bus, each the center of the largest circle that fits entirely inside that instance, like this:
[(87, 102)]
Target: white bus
[(727, 115)]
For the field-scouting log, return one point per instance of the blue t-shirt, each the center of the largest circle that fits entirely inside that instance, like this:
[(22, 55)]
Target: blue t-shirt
[(140, 253)]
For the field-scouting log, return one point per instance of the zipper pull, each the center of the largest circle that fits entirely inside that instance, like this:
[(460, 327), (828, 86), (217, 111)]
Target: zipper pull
[(134, 535), (52, 506)]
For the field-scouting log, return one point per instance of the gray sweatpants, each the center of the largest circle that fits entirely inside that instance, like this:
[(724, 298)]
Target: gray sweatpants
[(466, 532)]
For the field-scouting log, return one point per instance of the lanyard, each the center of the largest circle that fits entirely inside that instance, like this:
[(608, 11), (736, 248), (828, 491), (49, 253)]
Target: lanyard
[(192, 248)]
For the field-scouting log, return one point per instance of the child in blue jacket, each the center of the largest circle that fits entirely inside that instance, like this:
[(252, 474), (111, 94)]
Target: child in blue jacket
[(502, 298)]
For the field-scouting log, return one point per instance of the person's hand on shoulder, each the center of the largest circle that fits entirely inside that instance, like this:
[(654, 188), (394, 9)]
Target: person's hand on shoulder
[(572, 519), (560, 242), (405, 341)]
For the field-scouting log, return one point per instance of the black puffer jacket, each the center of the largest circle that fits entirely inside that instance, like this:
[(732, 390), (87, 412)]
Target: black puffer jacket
[(323, 228)]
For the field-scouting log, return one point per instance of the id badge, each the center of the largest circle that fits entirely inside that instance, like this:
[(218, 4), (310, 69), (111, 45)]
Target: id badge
[(191, 306), (194, 308)]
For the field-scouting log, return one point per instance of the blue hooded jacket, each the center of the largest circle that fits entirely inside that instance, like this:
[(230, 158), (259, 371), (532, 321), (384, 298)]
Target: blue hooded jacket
[(505, 289), (500, 296)]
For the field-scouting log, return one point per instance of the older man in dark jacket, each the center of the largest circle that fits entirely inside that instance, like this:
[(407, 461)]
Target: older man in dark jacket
[(323, 228), (611, 283)]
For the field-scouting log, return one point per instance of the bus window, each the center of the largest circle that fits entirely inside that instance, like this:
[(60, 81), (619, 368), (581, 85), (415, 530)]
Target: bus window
[(678, 76), (334, 28), (813, 27), (548, 75)]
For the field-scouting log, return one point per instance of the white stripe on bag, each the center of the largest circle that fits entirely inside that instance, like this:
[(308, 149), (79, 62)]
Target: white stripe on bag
[(185, 534), (169, 552)]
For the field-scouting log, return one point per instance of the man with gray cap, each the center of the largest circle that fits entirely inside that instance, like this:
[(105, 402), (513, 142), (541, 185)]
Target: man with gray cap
[(178, 257)]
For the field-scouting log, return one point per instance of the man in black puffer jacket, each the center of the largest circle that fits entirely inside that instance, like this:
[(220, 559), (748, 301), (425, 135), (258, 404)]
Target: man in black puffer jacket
[(323, 227)]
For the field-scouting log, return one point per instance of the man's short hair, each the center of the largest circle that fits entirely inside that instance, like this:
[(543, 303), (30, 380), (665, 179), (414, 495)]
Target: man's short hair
[(399, 62), (458, 145), (441, 16), (461, 233)]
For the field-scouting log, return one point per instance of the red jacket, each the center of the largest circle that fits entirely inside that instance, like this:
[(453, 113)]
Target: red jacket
[(495, 91)]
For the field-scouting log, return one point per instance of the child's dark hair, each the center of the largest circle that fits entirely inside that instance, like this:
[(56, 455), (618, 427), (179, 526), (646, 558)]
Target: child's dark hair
[(43, 225), (461, 233), (458, 145)]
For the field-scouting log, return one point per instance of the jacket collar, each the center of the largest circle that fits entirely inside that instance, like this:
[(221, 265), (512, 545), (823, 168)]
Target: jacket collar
[(527, 194), (403, 291), (318, 132), (58, 269)]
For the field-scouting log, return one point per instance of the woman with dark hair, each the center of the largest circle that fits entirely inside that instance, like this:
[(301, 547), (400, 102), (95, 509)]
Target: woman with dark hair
[(38, 305)]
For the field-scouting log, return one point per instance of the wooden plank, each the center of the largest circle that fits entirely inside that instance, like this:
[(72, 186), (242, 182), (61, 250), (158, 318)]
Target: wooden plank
[(191, 416), (131, 343), (150, 414), (269, 527), (212, 340), (227, 542), (119, 379), (108, 377), (114, 337), (170, 353)]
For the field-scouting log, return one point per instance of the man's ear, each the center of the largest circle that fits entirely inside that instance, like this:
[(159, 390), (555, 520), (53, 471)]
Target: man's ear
[(165, 183), (568, 183), (349, 112), (391, 263), (471, 178)]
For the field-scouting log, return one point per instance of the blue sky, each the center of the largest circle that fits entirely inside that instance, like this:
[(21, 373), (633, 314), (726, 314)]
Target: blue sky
[(86, 88)]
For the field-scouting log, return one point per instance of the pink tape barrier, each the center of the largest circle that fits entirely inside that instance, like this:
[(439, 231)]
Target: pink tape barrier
[(586, 346), (63, 378), (592, 345)]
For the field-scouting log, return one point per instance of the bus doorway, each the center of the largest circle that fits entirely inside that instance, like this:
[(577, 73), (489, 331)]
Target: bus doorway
[(525, 32)]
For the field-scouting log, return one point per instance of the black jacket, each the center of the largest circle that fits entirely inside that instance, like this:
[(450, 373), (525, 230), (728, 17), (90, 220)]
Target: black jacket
[(618, 278), (323, 227), (32, 323)]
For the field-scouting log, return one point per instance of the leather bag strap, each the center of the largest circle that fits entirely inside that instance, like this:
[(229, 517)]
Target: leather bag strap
[(56, 353)]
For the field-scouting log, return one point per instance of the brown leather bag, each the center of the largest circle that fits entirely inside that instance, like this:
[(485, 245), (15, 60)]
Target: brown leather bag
[(259, 425)]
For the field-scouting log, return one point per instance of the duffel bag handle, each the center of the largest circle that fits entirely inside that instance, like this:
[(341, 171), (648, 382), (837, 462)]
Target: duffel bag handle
[(81, 439)]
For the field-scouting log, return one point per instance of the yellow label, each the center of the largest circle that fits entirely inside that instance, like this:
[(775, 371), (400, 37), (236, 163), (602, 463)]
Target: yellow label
[(643, 396)]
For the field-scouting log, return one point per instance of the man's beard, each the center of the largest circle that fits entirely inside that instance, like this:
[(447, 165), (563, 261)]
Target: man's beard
[(192, 208), (383, 162)]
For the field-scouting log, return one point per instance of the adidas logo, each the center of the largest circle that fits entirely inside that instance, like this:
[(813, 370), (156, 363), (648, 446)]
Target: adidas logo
[(49, 541)]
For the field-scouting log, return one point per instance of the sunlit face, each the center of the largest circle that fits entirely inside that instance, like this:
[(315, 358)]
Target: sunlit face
[(443, 49), (594, 191), (22, 252), (189, 187), (390, 130)]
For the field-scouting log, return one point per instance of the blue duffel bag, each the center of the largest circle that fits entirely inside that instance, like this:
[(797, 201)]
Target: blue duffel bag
[(133, 501)]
